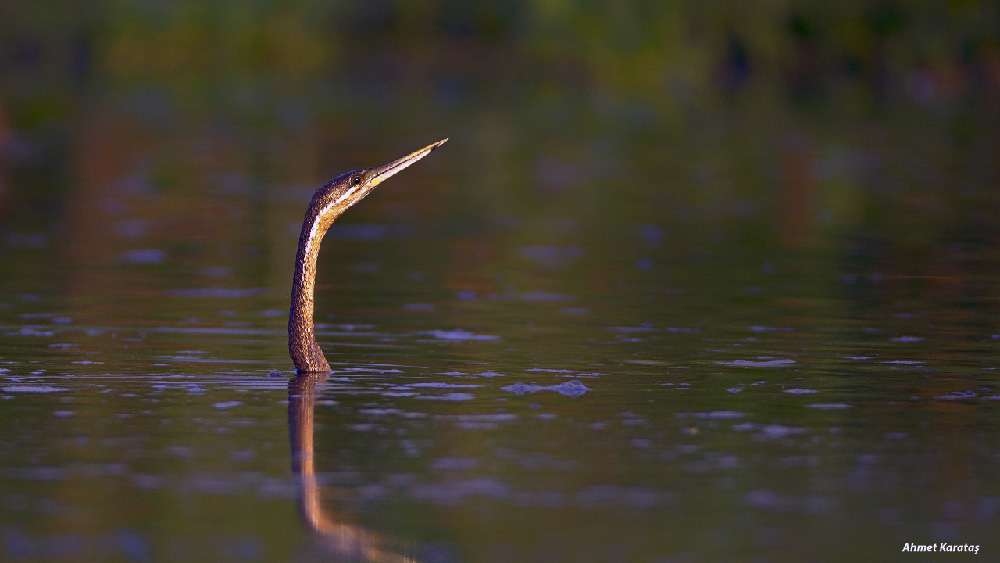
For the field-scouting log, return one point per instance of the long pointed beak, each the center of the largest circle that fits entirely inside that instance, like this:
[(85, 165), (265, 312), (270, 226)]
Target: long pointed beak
[(386, 170)]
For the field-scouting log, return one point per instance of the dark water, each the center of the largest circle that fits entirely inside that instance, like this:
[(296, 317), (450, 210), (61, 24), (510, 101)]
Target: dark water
[(509, 395), (606, 322)]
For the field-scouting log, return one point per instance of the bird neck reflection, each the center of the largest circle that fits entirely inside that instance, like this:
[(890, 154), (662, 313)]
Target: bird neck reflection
[(337, 536)]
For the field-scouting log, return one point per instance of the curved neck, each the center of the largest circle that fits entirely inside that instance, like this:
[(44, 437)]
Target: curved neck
[(302, 346)]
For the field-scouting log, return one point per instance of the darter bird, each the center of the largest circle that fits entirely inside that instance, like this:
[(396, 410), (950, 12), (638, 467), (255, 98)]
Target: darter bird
[(328, 203)]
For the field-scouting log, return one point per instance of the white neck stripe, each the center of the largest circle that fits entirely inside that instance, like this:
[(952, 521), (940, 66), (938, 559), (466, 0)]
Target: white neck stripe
[(322, 212)]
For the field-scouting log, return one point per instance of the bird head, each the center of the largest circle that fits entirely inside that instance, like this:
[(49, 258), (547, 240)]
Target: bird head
[(347, 189)]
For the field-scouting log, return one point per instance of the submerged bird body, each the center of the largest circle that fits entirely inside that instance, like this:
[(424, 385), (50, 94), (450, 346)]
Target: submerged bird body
[(328, 203)]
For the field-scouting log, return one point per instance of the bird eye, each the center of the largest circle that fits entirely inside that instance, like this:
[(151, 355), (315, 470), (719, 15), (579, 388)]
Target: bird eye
[(356, 180)]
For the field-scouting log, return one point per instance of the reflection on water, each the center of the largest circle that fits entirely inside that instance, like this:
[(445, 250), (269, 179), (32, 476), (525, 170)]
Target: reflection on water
[(337, 536)]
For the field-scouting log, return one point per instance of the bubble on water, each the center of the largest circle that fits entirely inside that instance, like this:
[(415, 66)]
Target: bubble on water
[(459, 335), (227, 404), (907, 339), (957, 395), (799, 391), (760, 363), (718, 415), (442, 385), (569, 388), (370, 369), (33, 389), (645, 327), (646, 362), (829, 406), (780, 431), (378, 412), (30, 331), (724, 414), (449, 397)]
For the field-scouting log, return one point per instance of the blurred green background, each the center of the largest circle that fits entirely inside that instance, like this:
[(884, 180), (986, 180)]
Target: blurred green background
[(784, 111)]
